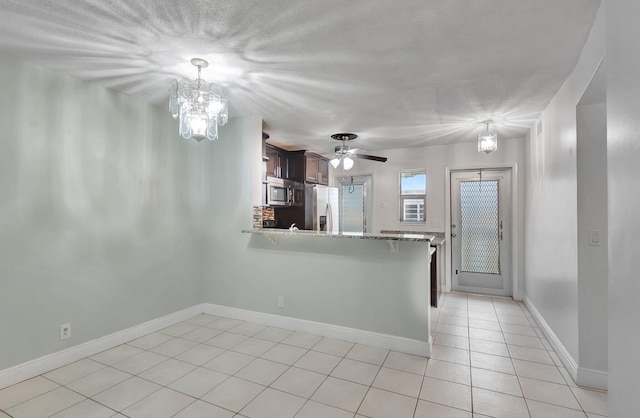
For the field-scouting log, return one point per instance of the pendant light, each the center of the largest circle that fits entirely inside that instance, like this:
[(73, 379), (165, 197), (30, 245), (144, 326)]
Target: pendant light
[(488, 140)]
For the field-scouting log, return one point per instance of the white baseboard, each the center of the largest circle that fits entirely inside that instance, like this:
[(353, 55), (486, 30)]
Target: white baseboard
[(592, 378), (390, 342), (597, 379), (52, 361), (61, 358), (569, 363)]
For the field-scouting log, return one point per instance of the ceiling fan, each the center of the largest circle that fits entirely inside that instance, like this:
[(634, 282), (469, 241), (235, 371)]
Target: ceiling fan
[(345, 154)]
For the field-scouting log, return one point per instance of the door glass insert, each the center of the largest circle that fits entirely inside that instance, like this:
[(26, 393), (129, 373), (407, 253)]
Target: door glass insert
[(352, 213), (479, 229)]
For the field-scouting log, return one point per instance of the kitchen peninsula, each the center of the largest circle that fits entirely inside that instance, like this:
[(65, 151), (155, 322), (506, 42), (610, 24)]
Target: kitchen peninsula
[(382, 276)]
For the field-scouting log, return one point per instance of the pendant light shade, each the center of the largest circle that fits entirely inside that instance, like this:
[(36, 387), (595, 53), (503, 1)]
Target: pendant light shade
[(488, 140), (347, 162)]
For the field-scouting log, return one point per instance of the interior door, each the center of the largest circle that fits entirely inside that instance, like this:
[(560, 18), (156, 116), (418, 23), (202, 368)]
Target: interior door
[(481, 232)]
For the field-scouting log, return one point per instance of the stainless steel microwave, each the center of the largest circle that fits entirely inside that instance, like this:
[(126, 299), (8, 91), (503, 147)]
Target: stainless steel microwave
[(281, 192)]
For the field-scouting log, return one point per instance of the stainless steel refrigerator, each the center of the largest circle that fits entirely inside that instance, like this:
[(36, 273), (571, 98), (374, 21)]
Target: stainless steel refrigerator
[(322, 208)]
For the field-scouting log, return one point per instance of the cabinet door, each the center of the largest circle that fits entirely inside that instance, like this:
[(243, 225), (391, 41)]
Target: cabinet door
[(273, 162), (323, 172), (296, 166), (312, 166), (283, 165)]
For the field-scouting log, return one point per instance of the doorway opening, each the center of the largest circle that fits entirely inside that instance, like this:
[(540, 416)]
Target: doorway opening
[(481, 231)]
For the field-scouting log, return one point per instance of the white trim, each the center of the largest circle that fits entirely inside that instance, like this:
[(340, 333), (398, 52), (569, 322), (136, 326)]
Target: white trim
[(516, 288), (52, 361), (516, 284), (390, 342), (447, 229), (568, 361), (592, 378), (582, 376)]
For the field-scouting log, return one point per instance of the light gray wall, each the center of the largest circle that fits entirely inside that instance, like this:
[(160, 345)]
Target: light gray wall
[(353, 283), (623, 150), (99, 213), (592, 216), (551, 225)]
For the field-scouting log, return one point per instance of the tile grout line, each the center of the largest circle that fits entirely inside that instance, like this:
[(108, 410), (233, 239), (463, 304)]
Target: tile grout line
[(516, 371)]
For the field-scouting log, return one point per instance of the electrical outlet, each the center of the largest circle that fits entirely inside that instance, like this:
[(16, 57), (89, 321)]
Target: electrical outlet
[(65, 331), (280, 301)]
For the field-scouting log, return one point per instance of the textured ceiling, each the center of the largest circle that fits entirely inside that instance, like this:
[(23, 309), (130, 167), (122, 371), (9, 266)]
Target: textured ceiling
[(398, 73)]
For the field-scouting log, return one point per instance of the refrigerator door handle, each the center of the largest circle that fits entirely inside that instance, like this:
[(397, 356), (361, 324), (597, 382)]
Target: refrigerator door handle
[(329, 218)]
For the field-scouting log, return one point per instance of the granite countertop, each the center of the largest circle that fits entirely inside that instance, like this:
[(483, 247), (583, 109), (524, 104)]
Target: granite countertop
[(437, 240), (352, 235)]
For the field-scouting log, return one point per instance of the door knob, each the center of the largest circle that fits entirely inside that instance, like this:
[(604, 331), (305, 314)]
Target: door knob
[(453, 235)]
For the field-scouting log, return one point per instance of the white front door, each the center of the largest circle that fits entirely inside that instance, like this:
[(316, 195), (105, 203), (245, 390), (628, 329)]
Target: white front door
[(481, 231)]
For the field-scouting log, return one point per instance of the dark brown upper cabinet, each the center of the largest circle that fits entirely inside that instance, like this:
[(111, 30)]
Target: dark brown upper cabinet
[(307, 167), (277, 162)]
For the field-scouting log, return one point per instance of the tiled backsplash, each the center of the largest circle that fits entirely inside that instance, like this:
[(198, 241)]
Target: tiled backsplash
[(261, 214), (257, 217), (268, 214)]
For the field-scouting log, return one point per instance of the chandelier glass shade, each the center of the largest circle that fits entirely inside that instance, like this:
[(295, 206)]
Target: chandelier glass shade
[(200, 106), (488, 140)]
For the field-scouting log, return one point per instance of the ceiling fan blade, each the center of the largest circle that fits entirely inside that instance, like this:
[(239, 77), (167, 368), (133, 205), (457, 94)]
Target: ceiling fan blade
[(371, 157)]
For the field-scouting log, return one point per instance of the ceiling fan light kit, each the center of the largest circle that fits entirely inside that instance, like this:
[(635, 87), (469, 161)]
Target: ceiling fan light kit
[(488, 140), (200, 106)]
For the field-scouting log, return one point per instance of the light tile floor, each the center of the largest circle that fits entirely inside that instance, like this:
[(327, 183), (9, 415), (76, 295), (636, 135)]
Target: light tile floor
[(489, 360)]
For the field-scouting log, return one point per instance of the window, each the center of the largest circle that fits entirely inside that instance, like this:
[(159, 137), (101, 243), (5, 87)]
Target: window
[(413, 191)]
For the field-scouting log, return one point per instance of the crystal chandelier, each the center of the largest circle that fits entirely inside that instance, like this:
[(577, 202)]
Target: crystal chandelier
[(201, 106), (487, 140)]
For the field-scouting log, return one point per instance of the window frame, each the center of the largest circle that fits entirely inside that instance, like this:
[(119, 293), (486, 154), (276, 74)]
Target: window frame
[(403, 197)]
